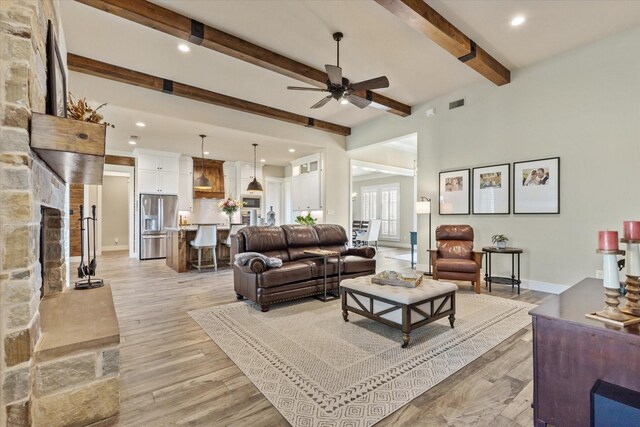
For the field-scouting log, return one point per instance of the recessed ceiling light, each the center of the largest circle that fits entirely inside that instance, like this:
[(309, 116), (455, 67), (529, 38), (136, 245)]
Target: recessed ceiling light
[(263, 160), (292, 150), (133, 139), (183, 47), (140, 124), (206, 152), (518, 20)]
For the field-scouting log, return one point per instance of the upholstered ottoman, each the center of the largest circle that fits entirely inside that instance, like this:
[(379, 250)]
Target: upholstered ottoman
[(399, 307)]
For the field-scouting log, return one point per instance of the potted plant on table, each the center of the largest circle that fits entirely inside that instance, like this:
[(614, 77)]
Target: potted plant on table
[(500, 240), (306, 220), (230, 207)]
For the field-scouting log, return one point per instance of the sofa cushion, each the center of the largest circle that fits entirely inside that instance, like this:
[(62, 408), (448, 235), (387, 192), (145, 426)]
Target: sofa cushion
[(454, 232), (358, 264), (455, 249), (300, 235), (290, 272), (331, 235), (457, 265), (263, 239), (317, 266)]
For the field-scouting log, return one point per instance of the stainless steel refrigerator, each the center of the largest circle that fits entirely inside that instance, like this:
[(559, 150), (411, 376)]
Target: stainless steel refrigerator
[(157, 213)]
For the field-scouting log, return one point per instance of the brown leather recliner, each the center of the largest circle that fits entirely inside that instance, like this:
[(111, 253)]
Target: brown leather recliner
[(454, 257), (301, 274)]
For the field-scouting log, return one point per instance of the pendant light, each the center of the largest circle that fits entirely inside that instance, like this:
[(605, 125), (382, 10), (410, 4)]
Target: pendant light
[(202, 183), (254, 185)]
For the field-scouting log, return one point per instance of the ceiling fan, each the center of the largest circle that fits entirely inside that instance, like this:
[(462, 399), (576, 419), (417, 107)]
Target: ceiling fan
[(339, 88)]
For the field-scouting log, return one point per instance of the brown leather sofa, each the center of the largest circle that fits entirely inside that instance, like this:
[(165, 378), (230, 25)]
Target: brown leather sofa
[(454, 258), (301, 274)]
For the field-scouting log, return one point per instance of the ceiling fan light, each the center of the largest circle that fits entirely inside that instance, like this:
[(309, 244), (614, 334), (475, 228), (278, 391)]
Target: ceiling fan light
[(202, 183), (344, 101)]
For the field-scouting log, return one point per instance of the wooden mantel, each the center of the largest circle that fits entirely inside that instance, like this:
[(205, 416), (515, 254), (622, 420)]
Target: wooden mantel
[(73, 149)]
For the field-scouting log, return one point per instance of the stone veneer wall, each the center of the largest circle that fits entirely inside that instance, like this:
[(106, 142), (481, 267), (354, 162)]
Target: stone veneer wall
[(26, 184)]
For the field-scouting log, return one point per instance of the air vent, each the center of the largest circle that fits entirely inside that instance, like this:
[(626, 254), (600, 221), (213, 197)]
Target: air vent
[(456, 104)]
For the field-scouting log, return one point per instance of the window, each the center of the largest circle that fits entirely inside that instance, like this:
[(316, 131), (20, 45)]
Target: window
[(369, 203), (383, 202)]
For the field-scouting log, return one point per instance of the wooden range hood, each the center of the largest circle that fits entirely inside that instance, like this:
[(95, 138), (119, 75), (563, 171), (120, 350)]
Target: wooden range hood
[(214, 172)]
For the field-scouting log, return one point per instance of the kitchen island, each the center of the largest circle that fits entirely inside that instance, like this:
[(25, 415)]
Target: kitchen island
[(179, 257)]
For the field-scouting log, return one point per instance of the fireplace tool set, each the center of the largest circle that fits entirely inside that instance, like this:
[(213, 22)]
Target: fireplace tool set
[(87, 272)]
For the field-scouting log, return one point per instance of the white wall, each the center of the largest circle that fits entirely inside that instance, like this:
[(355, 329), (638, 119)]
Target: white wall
[(115, 212), (583, 106), (336, 185)]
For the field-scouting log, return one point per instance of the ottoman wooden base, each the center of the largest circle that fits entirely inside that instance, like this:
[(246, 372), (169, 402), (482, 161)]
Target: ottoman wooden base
[(401, 308)]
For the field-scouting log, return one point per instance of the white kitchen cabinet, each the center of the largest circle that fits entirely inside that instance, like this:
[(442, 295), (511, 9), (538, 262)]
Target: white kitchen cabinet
[(306, 194), (169, 164), (147, 181), (185, 184), (150, 182), (167, 183), (306, 184), (230, 180), (246, 175), (158, 162), (157, 172)]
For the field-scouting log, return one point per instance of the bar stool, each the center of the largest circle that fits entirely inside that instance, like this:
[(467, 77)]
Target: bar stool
[(233, 230), (206, 238)]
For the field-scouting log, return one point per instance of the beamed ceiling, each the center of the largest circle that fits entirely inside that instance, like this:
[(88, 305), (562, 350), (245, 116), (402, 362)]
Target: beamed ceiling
[(287, 43)]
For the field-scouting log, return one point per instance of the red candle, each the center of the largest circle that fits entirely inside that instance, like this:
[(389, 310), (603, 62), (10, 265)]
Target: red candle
[(608, 240), (632, 230)]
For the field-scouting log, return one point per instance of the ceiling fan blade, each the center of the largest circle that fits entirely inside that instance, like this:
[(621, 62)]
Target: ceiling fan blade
[(358, 101), (377, 83), (314, 89), (335, 74), (321, 102)]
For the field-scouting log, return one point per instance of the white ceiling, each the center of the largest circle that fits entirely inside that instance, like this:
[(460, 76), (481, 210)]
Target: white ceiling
[(376, 43)]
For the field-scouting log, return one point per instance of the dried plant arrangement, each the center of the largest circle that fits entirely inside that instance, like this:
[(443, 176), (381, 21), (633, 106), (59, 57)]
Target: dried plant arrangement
[(79, 109)]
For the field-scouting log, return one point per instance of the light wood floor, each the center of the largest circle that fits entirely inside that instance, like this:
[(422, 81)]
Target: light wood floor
[(172, 373)]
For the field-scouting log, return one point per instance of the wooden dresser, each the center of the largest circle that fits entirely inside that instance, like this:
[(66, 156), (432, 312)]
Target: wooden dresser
[(571, 352)]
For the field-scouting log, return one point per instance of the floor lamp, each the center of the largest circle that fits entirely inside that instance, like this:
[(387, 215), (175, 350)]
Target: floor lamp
[(424, 207)]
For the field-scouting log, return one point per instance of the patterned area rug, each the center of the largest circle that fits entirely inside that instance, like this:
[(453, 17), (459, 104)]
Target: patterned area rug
[(318, 370)]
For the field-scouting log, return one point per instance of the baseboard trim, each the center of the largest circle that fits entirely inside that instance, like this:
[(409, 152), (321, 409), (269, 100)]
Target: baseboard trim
[(115, 248), (532, 285), (390, 244), (551, 288), (422, 268)]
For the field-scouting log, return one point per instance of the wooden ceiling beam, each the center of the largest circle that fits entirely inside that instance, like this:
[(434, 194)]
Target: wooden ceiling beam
[(422, 17), (123, 75), (185, 28)]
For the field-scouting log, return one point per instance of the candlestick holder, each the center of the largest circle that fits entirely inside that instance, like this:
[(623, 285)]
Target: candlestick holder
[(632, 271), (611, 313)]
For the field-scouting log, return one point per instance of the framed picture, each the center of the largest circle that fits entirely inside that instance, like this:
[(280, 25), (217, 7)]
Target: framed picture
[(491, 190), (454, 192), (56, 77), (536, 186)]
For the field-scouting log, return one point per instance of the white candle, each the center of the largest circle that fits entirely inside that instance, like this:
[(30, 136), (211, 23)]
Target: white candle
[(632, 262), (610, 264)]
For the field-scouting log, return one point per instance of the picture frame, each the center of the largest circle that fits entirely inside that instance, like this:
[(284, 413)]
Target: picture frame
[(491, 190), (454, 192), (56, 76), (537, 193)]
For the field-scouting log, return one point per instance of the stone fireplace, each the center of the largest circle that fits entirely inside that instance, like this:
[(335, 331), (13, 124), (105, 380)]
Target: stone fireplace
[(53, 272)]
